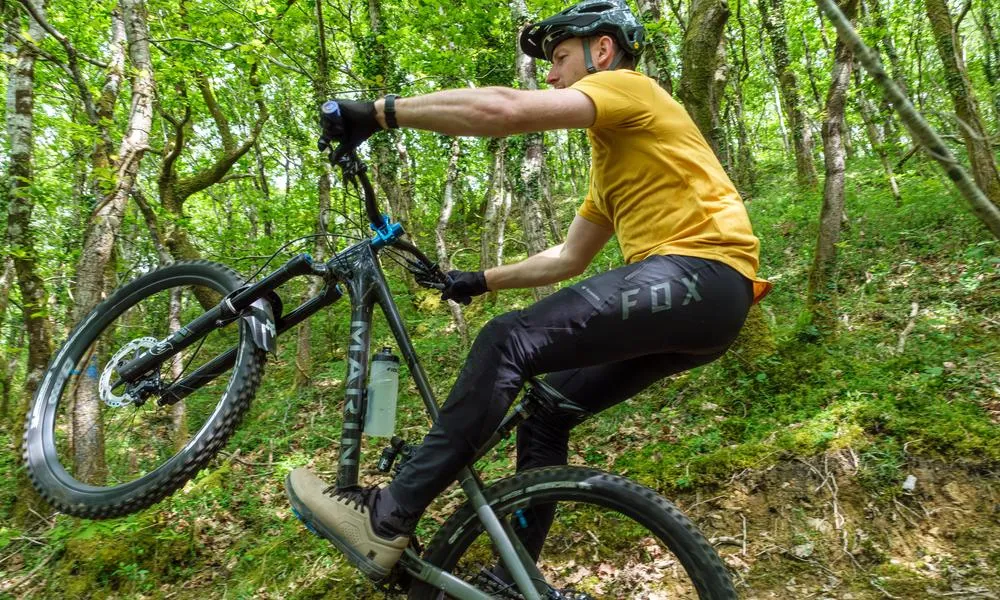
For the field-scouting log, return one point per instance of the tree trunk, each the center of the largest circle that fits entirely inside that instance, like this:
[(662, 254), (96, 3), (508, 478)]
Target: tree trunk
[(493, 205), (105, 222), (774, 24), (20, 238), (502, 215), (703, 68), (7, 276), (991, 64), (303, 345), (867, 112), (530, 191), (977, 138), (549, 208), (440, 245), (178, 412), (821, 297), (656, 56)]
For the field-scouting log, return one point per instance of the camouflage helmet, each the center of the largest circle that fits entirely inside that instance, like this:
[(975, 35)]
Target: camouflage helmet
[(585, 19)]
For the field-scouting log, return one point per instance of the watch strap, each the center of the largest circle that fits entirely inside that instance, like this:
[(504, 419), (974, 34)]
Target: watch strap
[(390, 111)]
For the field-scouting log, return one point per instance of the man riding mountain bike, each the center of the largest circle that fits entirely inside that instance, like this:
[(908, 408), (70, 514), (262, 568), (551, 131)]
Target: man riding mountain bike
[(679, 302)]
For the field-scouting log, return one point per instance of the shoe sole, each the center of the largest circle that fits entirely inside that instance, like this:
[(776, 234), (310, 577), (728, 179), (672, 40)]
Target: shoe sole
[(302, 512)]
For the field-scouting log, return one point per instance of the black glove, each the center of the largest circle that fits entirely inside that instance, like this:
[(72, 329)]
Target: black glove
[(348, 122), (463, 285)]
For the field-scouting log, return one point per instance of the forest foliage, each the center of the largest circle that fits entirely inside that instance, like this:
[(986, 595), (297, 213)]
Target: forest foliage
[(891, 357)]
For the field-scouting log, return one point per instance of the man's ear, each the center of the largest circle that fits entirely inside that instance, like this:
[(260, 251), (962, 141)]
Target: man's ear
[(607, 49)]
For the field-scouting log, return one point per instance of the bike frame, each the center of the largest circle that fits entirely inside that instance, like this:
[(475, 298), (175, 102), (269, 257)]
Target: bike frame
[(366, 286), (358, 269)]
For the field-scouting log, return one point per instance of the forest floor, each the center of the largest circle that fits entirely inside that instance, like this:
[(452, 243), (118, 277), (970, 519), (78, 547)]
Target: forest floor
[(858, 465)]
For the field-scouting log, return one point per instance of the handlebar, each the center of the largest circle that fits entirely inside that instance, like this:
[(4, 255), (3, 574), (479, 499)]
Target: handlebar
[(425, 271)]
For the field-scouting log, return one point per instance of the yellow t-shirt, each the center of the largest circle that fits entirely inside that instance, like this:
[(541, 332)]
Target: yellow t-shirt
[(655, 180)]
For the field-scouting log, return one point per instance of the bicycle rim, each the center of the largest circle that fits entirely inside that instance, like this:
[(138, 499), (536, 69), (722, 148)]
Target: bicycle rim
[(609, 539), (108, 450)]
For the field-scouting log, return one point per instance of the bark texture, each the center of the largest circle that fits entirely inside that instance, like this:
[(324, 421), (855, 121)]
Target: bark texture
[(529, 192), (977, 138), (772, 13), (656, 55), (440, 245), (987, 212), (703, 71), (103, 227), (490, 241), (20, 237), (821, 298)]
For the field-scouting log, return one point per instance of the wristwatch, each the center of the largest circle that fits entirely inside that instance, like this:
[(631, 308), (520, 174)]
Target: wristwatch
[(390, 111)]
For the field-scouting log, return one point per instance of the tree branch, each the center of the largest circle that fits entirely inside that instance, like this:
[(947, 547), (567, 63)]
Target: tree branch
[(71, 56), (221, 122), (70, 49), (167, 166), (226, 48), (961, 15)]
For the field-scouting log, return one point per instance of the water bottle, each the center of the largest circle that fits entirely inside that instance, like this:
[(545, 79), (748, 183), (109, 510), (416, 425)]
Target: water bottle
[(383, 388)]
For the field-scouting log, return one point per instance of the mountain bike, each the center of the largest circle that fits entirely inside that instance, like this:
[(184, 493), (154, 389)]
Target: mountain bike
[(197, 332)]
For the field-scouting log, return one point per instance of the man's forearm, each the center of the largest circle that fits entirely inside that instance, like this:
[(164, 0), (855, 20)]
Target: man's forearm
[(480, 112), (544, 268)]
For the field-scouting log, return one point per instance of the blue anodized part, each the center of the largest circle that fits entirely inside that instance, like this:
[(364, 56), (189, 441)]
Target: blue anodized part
[(387, 233)]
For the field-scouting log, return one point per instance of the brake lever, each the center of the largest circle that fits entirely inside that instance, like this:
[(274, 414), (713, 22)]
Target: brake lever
[(428, 275)]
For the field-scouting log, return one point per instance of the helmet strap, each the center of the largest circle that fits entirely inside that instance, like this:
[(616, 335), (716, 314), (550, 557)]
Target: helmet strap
[(618, 59), (589, 62), (586, 55)]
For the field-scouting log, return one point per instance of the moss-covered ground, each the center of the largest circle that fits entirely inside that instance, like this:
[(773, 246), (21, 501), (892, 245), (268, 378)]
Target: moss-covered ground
[(798, 452)]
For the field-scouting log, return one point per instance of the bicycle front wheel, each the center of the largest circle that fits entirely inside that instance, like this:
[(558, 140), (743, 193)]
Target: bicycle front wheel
[(97, 448), (609, 538)]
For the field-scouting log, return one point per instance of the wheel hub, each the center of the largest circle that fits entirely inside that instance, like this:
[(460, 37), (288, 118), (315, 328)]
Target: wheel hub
[(131, 394)]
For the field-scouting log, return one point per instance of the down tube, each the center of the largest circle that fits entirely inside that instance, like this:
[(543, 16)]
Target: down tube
[(405, 345), (357, 368)]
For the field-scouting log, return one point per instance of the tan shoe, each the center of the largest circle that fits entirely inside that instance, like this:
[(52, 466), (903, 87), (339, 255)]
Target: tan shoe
[(345, 518)]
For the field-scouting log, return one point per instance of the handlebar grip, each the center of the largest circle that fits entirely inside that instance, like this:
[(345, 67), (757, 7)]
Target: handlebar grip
[(332, 121)]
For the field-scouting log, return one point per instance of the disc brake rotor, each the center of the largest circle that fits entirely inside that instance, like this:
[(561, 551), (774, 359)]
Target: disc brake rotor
[(126, 353)]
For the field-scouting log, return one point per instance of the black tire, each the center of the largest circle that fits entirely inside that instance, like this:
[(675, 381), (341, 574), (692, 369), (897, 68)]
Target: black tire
[(161, 447), (630, 514)]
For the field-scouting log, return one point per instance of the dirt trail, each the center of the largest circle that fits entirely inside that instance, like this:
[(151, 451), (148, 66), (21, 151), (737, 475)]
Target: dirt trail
[(810, 530)]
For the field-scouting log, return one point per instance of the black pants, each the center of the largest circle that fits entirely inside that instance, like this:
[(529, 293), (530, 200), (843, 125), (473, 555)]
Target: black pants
[(601, 341)]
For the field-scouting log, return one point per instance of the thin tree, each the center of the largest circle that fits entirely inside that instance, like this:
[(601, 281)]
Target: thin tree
[(321, 86), (956, 77), (773, 18), (821, 296), (20, 240), (529, 192), (104, 224), (440, 244), (656, 56)]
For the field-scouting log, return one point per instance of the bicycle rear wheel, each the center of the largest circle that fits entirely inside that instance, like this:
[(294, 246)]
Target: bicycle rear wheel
[(96, 449), (610, 538)]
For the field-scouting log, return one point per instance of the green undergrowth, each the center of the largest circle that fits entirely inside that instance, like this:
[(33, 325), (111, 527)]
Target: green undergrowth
[(895, 383)]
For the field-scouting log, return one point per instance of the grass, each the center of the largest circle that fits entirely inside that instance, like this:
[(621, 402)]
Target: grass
[(229, 533)]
